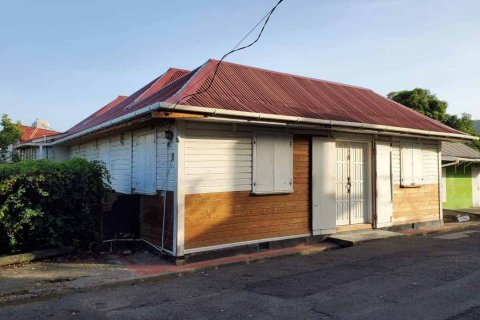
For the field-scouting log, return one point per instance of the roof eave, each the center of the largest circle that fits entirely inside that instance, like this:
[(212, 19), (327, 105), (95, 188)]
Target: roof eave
[(333, 123), (459, 159), (252, 116)]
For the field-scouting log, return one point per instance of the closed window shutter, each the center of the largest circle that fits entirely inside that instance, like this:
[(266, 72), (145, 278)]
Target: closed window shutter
[(144, 173), (417, 165), (282, 161), (407, 165), (273, 161), (264, 163), (411, 165)]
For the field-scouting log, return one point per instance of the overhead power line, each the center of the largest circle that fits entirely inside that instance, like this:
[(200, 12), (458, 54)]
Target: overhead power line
[(265, 18)]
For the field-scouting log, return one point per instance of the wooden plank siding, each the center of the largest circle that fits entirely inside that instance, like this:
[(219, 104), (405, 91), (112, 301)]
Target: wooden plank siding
[(412, 205), (151, 219), (229, 217), (121, 146)]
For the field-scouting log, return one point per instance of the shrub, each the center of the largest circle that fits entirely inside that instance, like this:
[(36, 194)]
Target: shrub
[(45, 204)]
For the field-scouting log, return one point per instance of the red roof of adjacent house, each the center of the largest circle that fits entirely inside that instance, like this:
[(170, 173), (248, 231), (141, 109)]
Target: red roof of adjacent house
[(243, 88), (119, 106), (29, 133)]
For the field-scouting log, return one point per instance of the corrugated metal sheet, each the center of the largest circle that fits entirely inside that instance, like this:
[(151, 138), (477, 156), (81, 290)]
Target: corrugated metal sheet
[(29, 133), (243, 88), (459, 150), (122, 105)]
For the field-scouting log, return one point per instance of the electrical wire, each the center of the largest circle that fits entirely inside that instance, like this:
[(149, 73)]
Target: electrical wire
[(165, 189), (266, 18)]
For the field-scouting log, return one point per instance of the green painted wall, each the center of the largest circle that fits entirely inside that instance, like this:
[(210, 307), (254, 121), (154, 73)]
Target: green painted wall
[(459, 188)]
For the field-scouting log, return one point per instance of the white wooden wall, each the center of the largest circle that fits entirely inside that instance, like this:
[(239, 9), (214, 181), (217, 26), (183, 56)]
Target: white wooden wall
[(120, 162), (56, 153), (218, 158), (166, 155), (120, 158)]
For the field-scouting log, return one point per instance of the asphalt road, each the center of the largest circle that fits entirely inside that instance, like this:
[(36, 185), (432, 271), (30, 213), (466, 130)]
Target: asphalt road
[(400, 278)]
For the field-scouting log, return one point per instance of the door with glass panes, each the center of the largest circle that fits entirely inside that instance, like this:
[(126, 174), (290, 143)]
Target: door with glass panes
[(351, 183)]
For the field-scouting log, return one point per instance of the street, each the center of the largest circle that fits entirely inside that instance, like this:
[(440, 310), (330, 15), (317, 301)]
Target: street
[(417, 277)]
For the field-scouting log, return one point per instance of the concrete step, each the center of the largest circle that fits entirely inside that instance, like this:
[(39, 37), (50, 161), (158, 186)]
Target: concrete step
[(349, 239)]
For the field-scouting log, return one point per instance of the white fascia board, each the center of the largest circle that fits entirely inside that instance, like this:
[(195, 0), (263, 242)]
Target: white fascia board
[(338, 125), (260, 116)]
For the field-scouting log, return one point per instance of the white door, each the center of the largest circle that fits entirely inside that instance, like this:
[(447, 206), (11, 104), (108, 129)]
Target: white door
[(351, 183), (145, 164), (384, 196), (476, 187), (343, 184), (323, 186)]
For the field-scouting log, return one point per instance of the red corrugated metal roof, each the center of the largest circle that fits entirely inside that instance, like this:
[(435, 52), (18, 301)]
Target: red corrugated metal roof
[(243, 88), (29, 133), (120, 106)]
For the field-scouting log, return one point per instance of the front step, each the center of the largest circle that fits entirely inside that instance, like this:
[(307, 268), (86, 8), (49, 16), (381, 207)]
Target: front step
[(349, 239)]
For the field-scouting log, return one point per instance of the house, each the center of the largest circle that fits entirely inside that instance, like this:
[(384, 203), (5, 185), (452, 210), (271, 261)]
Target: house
[(33, 141), (460, 176), (251, 155)]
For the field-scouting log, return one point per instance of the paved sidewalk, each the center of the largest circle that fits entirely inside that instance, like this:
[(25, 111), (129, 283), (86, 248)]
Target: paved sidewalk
[(59, 276), (400, 278), (53, 277), (447, 227)]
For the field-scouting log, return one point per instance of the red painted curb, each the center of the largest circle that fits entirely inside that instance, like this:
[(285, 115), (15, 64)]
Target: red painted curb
[(155, 269)]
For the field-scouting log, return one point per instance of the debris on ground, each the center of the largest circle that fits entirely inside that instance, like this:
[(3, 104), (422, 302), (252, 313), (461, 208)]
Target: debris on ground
[(463, 218)]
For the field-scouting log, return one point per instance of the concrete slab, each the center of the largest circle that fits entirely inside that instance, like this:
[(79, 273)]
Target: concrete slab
[(349, 239)]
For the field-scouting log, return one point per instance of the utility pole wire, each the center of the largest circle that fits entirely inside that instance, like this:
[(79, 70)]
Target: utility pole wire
[(235, 49)]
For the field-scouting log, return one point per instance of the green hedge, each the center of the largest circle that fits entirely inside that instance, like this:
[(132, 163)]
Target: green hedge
[(46, 204)]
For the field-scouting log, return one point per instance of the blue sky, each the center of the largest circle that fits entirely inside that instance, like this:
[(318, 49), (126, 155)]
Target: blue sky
[(62, 60)]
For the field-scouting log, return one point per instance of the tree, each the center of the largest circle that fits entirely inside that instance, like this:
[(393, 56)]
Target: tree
[(427, 103), (9, 135), (423, 101), (464, 124)]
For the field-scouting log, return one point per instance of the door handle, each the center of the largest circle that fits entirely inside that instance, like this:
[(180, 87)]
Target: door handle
[(349, 184)]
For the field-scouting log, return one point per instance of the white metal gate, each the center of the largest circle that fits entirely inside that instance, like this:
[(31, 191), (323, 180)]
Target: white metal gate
[(476, 187), (351, 183)]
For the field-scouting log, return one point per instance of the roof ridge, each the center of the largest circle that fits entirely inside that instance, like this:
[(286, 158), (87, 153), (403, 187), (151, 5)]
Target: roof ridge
[(32, 127), (177, 69), (290, 74)]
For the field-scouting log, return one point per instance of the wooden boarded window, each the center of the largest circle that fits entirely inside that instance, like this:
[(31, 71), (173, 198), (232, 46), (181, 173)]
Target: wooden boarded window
[(411, 165), (272, 163)]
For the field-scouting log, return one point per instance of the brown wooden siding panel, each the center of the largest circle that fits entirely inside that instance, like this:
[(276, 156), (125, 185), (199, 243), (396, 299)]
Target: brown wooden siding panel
[(415, 204), (151, 219), (229, 217)]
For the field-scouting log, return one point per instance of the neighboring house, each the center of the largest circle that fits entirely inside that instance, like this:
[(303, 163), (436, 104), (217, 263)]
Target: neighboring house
[(33, 144), (460, 176), (476, 124), (259, 156)]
